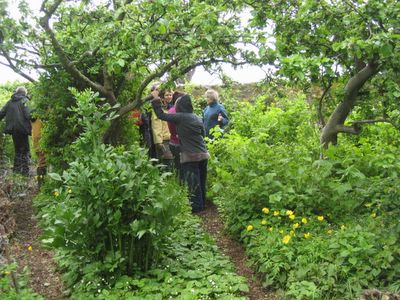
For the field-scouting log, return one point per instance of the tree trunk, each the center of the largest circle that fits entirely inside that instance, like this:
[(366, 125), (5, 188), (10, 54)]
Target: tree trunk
[(335, 124)]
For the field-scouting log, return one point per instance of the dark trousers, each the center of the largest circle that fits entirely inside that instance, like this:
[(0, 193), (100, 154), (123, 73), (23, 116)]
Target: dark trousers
[(195, 176), (21, 158), (176, 152)]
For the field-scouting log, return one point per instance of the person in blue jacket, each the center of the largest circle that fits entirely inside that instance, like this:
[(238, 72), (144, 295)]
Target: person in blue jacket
[(214, 114)]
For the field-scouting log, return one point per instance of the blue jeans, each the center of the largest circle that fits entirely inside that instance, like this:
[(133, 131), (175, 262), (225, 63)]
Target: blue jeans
[(195, 176)]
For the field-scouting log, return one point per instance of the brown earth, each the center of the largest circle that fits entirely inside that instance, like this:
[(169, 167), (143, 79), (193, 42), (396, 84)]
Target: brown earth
[(24, 245), (212, 223)]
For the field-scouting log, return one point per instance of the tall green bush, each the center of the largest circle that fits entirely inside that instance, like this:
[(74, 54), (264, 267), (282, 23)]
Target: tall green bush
[(110, 211)]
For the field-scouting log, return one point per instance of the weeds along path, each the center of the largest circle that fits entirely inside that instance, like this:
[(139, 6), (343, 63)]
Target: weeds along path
[(213, 224), (25, 247)]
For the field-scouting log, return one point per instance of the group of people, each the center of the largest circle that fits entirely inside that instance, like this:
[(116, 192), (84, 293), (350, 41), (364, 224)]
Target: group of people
[(172, 133), (20, 124), (178, 137)]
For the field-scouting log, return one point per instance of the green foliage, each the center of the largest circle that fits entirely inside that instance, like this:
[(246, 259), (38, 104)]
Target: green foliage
[(9, 291), (269, 164), (110, 211), (191, 268)]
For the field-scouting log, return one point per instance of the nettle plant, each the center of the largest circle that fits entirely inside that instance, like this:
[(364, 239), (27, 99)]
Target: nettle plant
[(112, 209)]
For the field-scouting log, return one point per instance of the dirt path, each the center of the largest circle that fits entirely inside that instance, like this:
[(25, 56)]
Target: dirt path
[(26, 250), (213, 224)]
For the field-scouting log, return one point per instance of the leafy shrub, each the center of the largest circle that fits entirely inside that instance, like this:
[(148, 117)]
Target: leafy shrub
[(270, 159), (111, 210)]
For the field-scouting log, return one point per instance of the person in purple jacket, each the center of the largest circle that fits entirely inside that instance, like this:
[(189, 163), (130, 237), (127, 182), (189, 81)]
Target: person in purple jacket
[(194, 155)]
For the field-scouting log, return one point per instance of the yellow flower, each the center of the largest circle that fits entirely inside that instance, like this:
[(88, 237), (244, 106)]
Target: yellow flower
[(289, 212), (30, 248), (69, 191), (276, 213), (264, 222), (304, 220), (270, 229), (373, 215), (307, 235), (330, 231), (286, 239), (291, 217), (296, 225), (56, 194), (320, 218), (343, 227), (249, 227), (265, 210), (6, 273), (292, 232)]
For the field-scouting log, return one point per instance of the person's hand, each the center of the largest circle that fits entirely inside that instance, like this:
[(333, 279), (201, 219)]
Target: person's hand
[(220, 118), (155, 93)]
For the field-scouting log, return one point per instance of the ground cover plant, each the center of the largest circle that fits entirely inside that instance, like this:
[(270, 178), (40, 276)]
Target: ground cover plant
[(317, 228)]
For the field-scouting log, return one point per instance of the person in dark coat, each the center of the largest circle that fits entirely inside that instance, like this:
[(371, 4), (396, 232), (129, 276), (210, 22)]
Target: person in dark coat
[(18, 125), (194, 155)]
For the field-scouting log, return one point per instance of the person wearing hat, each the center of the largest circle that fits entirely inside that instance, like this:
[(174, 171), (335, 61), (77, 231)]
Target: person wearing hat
[(194, 155), (18, 125)]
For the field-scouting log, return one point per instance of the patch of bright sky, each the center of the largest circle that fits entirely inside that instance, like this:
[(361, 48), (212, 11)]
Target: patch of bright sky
[(244, 74)]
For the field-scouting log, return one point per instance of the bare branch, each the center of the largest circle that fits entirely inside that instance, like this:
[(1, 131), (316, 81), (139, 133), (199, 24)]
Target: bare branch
[(13, 67), (320, 114), (348, 129), (153, 76)]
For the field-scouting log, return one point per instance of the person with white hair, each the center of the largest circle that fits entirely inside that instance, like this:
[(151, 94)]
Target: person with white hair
[(214, 114), (18, 125)]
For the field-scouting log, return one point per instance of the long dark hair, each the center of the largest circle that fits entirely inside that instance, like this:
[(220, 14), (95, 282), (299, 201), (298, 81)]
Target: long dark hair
[(175, 96)]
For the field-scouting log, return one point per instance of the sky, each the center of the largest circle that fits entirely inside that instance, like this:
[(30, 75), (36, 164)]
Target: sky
[(244, 74)]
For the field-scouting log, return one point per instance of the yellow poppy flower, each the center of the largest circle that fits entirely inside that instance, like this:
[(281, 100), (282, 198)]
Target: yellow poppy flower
[(286, 239), (276, 213), (56, 194), (296, 225), (373, 215), (307, 235), (265, 210), (291, 217), (249, 227), (270, 229), (304, 220), (330, 231), (264, 222), (30, 248), (320, 218), (289, 212)]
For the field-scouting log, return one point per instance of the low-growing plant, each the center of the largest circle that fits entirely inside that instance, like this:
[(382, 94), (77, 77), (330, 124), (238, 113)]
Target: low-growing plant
[(13, 285)]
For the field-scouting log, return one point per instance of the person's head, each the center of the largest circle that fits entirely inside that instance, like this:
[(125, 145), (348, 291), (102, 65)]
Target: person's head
[(167, 96), (176, 95), (211, 95), (21, 90), (184, 104)]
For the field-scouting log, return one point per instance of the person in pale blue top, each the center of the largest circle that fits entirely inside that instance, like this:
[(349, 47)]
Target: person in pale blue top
[(214, 114)]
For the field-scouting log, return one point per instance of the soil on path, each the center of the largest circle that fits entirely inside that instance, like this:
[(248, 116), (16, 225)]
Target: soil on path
[(26, 250), (213, 224)]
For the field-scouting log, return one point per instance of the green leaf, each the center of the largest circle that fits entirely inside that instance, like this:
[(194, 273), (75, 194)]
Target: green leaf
[(55, 176)]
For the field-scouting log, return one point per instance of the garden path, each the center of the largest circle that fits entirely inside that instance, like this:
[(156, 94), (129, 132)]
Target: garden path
[(213, 224), (26, 249)]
